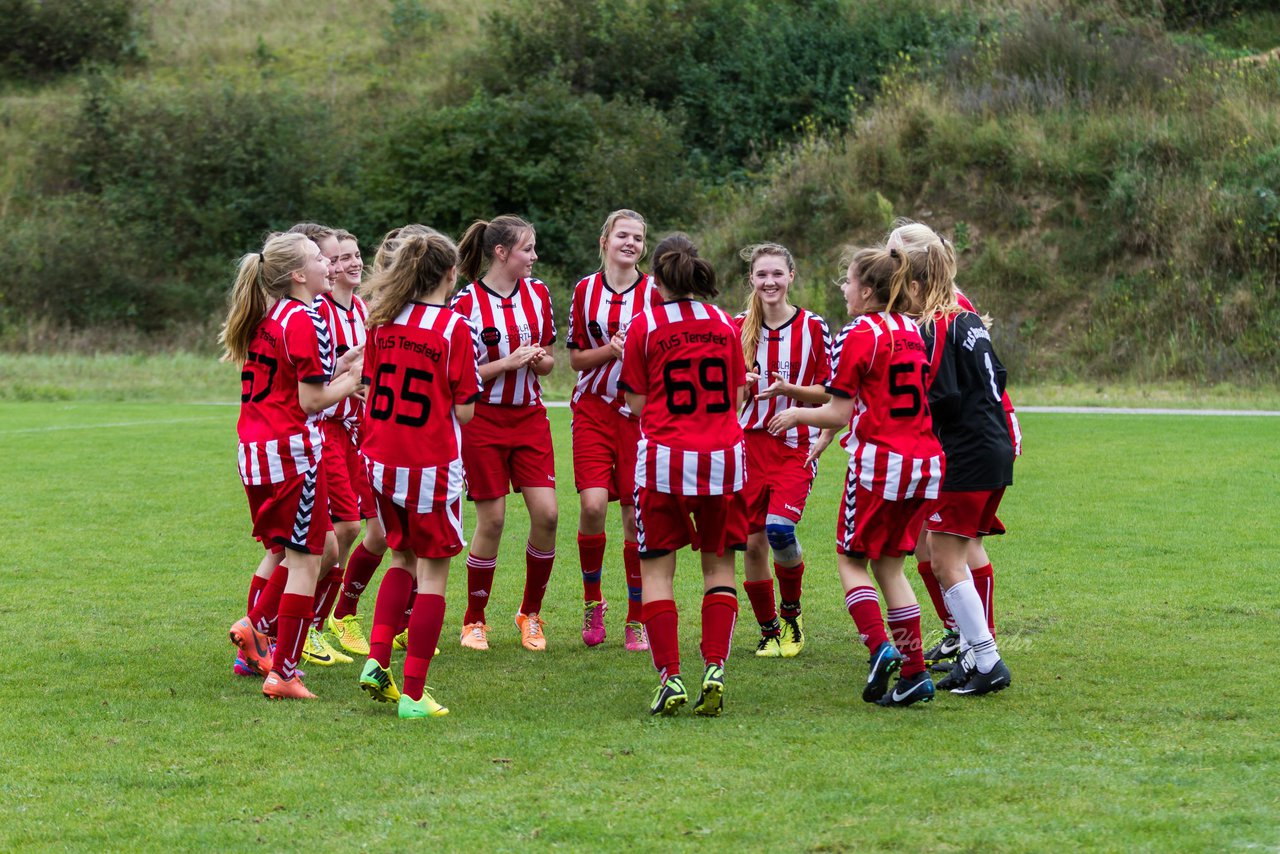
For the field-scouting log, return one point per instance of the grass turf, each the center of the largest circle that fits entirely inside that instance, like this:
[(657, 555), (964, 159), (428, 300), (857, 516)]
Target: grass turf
[(1130, 596)]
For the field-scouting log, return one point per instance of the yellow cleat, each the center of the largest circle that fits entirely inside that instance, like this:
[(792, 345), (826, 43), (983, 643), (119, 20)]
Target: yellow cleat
[(349, 633), (316, 651), (377, 682), (427, 707), (792, 639)]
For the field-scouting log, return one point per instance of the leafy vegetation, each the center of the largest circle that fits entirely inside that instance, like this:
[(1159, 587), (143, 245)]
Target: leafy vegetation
[(1109, 169)]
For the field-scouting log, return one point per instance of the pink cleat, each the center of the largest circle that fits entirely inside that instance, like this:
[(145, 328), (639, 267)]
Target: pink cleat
[(637, 639), (593, 622)]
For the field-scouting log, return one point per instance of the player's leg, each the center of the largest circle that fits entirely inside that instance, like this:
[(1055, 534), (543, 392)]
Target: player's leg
[(425, 625), (989, 673), (903, 613), (482, 559), (540, 555), (593, 509)]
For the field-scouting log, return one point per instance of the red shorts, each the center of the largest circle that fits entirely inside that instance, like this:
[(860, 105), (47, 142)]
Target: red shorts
[(966, 514), (604, 449), (871, 527), (665, 522), (350, 498), (285, 513), (505, 447), (778, 481), (437, 534)]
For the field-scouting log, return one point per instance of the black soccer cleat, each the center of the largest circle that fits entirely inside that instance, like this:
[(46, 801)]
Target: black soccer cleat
[(944, 649), (997, 679), (959, 673), (884, 662), (910, 689)]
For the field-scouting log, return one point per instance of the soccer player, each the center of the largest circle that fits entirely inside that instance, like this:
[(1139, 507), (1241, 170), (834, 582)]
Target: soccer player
[(788, 354), (289, 377), (508, 442), (895, 467), (940, 261), (965, 388), (683, 373), (605, 430), (420, 367)]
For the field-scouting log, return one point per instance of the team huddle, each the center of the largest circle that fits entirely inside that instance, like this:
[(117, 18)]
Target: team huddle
[(706, 428)]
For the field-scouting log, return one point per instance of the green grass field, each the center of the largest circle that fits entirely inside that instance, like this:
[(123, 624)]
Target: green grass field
[(1136, 600)]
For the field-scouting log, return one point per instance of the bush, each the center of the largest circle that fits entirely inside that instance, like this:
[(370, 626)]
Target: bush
[(44, 38), (742, 77)]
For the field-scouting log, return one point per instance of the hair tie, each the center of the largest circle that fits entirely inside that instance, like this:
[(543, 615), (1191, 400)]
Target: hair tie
[(893, 253), (261, 259)]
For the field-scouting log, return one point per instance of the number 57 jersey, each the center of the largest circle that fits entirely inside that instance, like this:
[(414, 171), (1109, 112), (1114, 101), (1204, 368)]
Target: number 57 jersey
[(417, 367), (685, 356), (880, 362)]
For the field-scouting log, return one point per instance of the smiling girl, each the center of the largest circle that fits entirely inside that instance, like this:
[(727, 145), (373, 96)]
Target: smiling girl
[(787, 350), (508, 443)]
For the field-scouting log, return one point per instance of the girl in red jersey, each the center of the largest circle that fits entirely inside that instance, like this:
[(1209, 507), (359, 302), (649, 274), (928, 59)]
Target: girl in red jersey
[(683, 372), (788, 352), (966, 384), (288, 379), (895, 467), (940, 264), (508, 443), (420, 367), (605, 430)]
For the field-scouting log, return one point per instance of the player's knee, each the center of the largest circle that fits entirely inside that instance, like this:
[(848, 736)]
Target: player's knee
[(594, 509), (781, 533)]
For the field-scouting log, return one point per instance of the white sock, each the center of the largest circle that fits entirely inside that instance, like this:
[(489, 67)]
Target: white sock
[(965, 606)]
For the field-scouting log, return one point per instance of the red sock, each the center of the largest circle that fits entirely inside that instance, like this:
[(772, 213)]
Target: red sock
[(631, 562), (360, 569), (295, 613), (265, 610), (864, 607), (479, 584), (537, 572), (591, 558), (719, 615), (904, 627), (256, 585), (424, 637), (760, 593), (985, 581), (388, 611), (935, 593), (408, 608), (789, 578), (662, 623), (326, 589)]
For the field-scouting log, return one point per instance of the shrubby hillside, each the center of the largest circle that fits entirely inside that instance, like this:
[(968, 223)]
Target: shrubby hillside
[(1109, 169)]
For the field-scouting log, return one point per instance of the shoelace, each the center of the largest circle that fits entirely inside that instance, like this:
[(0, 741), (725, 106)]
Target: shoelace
[(533, 625)]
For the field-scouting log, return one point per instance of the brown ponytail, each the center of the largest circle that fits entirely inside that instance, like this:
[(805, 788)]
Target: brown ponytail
[(421, 264), (481, 238), (261, 279), (678, 268)]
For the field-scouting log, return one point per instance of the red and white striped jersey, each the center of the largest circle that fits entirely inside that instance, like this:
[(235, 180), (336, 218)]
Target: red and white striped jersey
[(1010, 416), (880, 362), (417, 368), (596, 313), (686, 357), (347, 328), (503, 325), (800, 352), (277, 439)]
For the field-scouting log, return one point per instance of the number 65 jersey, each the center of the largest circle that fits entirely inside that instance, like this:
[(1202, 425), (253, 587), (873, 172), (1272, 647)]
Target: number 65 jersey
[(880, 362), (686, 357), (417, 367)]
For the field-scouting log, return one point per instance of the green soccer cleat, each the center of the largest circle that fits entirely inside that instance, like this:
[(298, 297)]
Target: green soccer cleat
[(349, 633), (669, 697), (376, 681), (427, 707), (711, 701), (792, 639)]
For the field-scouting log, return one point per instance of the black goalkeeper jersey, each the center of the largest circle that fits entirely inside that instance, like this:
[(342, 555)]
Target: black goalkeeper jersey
[(966, 386)]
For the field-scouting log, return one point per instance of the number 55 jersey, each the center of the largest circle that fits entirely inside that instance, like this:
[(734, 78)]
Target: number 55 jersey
[(417, 367), (880, 362), (685, 356)]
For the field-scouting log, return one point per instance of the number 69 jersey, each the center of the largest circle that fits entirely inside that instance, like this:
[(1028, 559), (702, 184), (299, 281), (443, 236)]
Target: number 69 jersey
[(880, 362), (417, 367), (686, 357)]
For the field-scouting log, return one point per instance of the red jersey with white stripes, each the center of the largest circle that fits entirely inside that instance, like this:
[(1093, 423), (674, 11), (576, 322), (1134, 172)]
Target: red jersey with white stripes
[(686, 357), (596, 313), (880, 362), (347, 329), (503, 325), (1010, 416), (417, 367), (800, 352), (277, 439)]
